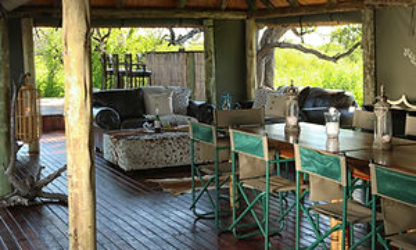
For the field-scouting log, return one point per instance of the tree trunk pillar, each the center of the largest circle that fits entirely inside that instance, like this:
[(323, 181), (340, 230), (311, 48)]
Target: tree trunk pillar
[(209, 55), (29, 64), (5, 107), (78, 124), (369, 55), (251, 57)]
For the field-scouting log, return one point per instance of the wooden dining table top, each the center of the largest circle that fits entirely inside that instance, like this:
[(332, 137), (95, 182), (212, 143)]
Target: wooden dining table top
[(314, 136), (356, 145)]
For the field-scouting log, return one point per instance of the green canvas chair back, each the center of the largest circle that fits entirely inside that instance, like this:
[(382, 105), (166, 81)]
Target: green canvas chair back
[(238, 117), (393, 184), (398, 197), (202, 133), (410, 128), (324, 165), (249, 144), (363, 120)]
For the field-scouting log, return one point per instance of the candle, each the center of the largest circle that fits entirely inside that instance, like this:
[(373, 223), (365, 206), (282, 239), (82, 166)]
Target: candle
[(332, 129)]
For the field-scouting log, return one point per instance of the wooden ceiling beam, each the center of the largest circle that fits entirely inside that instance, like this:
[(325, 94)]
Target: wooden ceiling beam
[(224, 4), (251, 5), (107, 13), (389, 3), (181, 4), (332, 1), (293, 3), (308, 10)]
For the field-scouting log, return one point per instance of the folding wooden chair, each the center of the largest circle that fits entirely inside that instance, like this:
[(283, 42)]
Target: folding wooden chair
[(363, 120), (259, 179), (397, 190), (333, 168), (207, 134)]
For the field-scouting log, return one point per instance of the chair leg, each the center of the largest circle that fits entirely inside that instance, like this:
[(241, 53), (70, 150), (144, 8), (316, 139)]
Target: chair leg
[(266, 215), (297, 243), (217, 190)]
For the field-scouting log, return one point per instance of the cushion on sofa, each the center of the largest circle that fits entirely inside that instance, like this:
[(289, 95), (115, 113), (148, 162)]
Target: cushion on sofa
[(180, 97), (129, 103), (275, 106), (158, 103), (260, 97), (319, 97), (107, 118)]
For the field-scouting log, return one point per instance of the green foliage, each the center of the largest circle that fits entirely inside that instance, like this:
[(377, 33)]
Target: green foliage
[(49, 62), (306, 69), (49, 55)]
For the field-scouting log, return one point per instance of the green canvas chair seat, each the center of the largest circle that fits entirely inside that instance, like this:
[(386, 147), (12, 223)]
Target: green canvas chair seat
[(277, 184), (255, 176), (356, 212), (405, 241), (397, 189)]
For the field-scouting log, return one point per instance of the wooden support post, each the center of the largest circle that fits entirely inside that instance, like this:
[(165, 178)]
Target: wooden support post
[(369, 55), (251, 58), (209, 53), (5, 146), (78, 123), (29, 64)]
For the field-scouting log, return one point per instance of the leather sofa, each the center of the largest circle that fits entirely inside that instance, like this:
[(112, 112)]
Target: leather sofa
[(314, 102)]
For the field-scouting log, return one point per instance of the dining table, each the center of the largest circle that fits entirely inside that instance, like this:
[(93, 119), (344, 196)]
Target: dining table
[(356, 146)]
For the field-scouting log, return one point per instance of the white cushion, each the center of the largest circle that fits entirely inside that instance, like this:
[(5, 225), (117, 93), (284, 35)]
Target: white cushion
[(260, 97), (275, 106), (174, 119), (180, 97), (161, 102)]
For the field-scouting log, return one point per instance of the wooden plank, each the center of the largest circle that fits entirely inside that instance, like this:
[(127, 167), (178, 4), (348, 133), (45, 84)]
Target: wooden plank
[(224, 4), (29, 66), (209, 52), (5, 145), (369, 54), (251, 58), (181, 4), (78, 124), (268, 4), (308, 10), (105, 13)]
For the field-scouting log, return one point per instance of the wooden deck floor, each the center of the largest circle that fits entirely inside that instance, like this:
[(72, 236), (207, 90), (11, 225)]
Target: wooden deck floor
[(131, 214)]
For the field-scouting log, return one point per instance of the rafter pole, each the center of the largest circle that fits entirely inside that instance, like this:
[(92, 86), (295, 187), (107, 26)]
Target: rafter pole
[(78, 124), (29, 64), (332, 1), (251, 5), (293, 3), (224, 4), (369, 55), (5, 144), (181, 4), (268, 4), (120, 3)]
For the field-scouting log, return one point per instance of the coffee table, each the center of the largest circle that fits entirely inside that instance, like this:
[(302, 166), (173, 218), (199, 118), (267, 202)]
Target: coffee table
[(138, 149)]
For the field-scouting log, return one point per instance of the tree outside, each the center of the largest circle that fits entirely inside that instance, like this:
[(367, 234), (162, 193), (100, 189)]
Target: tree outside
[(284, 60)]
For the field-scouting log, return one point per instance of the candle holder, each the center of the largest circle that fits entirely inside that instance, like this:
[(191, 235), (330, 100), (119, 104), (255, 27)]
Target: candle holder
[(292, 111), (383, 131), (332, 119)]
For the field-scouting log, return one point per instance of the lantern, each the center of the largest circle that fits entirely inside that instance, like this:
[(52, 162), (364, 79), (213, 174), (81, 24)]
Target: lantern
[(383, 130), (292, 110), (27, 114)]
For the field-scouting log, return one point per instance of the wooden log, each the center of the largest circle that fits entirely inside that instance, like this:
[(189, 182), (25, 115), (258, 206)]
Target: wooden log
[(251, 58), (78, 124), (29, 66), (309, 10), (108, 13), (369, 55), (5, 146), (209, 53)]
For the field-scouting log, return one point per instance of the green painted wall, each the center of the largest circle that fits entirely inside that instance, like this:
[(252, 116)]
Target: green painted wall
[(395, 32), (230, 68)]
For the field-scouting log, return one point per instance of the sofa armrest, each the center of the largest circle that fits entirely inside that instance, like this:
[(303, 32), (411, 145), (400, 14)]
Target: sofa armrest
[(106, 118), (202, 111), (245, 104)]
